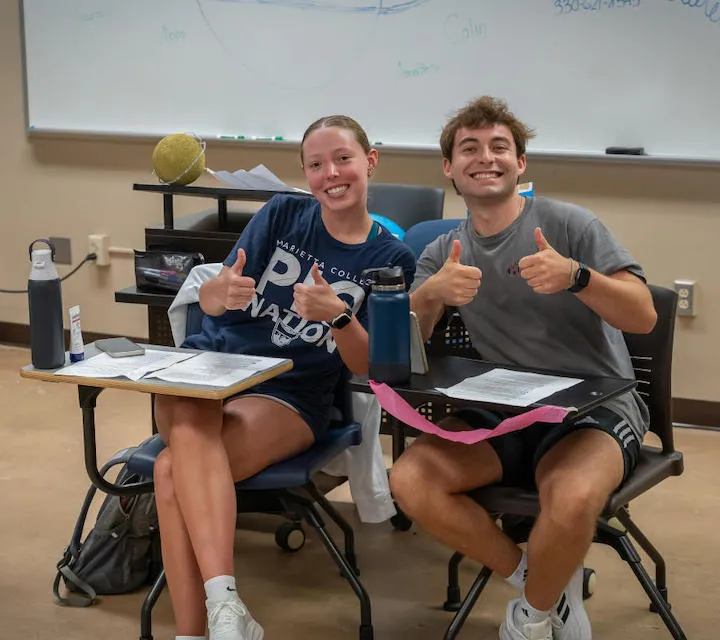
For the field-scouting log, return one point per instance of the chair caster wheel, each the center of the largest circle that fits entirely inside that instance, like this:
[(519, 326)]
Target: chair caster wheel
[(400, 521), (290, 536), (589, 580)]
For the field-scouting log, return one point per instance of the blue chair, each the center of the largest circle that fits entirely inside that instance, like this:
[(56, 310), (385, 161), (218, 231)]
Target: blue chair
[(406, 204), (286, 488), (423, 233)]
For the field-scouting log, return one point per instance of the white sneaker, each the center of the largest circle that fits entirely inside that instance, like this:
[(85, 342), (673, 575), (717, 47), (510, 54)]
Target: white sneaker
[(529, 631), (570, 619), (230, 620)]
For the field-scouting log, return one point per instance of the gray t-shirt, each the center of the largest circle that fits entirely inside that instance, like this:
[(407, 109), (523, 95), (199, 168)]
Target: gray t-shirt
[(509, 323)]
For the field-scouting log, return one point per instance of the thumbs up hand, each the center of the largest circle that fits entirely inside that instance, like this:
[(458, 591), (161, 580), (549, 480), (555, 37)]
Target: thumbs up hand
[(545, 271), (317, 302), (239, 289), (457, 284)]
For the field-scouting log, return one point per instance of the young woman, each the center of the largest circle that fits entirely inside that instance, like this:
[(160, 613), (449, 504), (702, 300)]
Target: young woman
[(292, 287)]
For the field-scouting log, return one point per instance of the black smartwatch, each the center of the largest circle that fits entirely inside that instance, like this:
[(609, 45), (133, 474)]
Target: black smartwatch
[(582, 277), (342, 320)]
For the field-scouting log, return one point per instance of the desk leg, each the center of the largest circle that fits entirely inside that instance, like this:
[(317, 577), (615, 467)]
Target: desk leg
[(168, 213), (222, 214), (152, 413), (88, 397)]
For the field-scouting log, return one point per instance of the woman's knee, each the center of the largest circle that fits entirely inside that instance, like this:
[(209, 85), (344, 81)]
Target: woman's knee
[(188, 419), (162, 476)]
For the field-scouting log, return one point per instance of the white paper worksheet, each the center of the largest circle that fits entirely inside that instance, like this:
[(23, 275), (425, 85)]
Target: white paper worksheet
[(216, 369), (132, 367), (503, 386)]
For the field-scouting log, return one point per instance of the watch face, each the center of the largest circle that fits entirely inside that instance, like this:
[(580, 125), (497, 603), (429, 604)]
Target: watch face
[(583, 276), (343, 320)]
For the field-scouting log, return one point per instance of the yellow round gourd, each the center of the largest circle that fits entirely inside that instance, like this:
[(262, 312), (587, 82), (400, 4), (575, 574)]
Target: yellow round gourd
[(179, 159)]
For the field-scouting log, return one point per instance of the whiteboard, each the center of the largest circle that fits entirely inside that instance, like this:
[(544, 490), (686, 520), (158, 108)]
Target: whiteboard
[(585, 74)]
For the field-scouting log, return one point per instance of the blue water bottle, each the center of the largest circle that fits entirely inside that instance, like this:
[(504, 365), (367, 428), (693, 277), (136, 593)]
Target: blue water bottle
[(47, 340), (389, 326)]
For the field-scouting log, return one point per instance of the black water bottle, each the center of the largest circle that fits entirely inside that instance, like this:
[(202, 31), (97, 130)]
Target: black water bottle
[(389, 327), (47, 340)]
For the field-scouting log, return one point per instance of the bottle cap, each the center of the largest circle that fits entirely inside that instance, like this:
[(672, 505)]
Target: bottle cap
[(41, 257), (388, 277), (51, 250)]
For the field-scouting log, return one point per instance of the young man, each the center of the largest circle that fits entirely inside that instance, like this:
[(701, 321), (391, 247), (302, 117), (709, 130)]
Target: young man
[(539, 283)]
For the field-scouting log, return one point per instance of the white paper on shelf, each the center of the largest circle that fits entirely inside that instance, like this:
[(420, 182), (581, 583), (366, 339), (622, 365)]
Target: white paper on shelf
[(259, 178), (513, 388)]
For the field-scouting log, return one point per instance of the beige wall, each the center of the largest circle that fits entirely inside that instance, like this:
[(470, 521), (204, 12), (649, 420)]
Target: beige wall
[(669, 217)]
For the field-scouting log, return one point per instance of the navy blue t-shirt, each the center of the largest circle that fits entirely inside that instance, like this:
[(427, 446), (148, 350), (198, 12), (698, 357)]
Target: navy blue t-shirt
[(282, 242)]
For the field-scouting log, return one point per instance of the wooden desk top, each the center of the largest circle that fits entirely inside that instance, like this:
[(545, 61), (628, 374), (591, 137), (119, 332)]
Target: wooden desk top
[(154, 385)]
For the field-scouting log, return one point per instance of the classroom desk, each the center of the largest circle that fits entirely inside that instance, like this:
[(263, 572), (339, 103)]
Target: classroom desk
[(90, 388), (445, 371)]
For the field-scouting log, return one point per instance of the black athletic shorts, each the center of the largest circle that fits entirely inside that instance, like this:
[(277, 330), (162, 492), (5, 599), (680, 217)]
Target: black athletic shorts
[(521, 451)]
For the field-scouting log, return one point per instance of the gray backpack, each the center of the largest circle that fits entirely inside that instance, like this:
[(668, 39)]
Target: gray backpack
[(120, 554)]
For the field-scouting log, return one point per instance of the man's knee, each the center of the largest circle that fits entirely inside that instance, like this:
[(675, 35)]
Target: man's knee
[(407, 475), (571, 502), (419, 470), (162, 476)]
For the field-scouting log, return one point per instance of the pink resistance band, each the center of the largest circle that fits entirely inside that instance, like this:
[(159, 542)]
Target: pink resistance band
[(398, 408)]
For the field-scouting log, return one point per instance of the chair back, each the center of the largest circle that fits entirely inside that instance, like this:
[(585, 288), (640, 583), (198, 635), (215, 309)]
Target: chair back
[(342, 409), (451, 338), (423, 233), (406, 204), (193, 319), (651, 356)]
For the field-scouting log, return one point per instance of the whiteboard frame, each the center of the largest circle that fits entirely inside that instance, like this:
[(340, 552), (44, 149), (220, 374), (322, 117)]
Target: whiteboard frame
[(421, 150)]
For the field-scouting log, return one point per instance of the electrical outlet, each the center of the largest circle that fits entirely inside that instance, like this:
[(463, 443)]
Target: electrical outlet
[(99, 244), (686, 297), (63, 254)]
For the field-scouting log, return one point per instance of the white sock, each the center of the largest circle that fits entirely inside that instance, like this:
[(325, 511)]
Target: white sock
[(221, 589), (190, 638), (525, 612), (517, 579)]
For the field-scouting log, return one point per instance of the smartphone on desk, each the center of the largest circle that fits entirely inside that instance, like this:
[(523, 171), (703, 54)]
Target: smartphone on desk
[(119, 347)]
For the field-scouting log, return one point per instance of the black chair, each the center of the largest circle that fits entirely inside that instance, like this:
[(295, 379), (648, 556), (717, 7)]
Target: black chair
[(406, 204), (651, 356)]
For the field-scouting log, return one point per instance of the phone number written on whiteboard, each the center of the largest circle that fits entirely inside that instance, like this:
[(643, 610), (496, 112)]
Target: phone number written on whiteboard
[(564, 7)]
